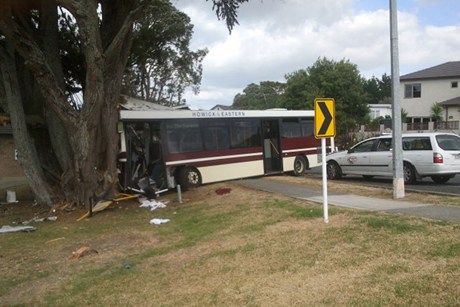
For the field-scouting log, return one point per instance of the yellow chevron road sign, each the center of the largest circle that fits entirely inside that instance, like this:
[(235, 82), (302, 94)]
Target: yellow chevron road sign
[(324, 117)]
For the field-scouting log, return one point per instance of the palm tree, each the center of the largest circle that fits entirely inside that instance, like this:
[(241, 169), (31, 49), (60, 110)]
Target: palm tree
[(436, 112)]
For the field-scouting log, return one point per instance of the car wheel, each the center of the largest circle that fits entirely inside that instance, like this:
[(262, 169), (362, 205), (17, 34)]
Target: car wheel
[(409, 173), (300, 165), (189, 177), (333, 170), (440, 178)]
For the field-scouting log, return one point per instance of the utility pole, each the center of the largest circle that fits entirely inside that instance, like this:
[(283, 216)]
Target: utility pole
[(398, 176)]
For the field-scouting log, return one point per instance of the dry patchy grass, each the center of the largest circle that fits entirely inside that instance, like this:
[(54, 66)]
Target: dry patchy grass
[(245, 248)]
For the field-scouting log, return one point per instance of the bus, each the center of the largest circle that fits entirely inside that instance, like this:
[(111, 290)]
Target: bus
[(164, 149)]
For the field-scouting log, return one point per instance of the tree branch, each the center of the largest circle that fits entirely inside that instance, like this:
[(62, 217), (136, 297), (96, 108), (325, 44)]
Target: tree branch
[(85, 13), (113, 50), (227, 10), (36, 61)]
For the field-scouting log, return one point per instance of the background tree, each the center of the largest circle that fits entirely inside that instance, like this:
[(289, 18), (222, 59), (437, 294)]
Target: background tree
[(404, 115), (266, 95), (378, 90), (436, 112), (161, 65), (83, 142), (327, 78)]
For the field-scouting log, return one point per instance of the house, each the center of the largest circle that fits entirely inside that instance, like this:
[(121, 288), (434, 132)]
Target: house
[(220, 107), (135, 104), (437, 84), (377, 110)]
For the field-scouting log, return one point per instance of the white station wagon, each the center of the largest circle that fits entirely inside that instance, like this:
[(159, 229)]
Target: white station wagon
[(433, 154)]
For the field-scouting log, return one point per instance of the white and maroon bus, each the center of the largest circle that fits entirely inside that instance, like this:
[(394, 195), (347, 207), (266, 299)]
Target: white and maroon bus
[(198, 147)]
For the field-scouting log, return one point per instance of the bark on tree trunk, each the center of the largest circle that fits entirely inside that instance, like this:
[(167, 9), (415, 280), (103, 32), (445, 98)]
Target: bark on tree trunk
[(27, 154), (87, 137)]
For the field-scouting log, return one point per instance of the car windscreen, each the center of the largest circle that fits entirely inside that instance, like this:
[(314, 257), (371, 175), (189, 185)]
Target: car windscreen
[(448, 142)]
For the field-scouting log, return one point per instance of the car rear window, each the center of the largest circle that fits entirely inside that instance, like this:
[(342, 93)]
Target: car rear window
[(417, 143), (448, 142)]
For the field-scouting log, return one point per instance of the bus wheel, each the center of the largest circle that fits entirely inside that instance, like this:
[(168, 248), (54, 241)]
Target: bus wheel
[(189, 177), (300, 165)]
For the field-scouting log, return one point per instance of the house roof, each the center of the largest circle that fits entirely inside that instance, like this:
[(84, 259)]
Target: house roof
[(446, 70), (134, 104), (451, 102), (379, 106), (222, 107)]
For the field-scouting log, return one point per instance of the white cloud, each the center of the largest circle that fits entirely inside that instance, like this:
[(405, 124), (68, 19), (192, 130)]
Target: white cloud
[(276, 37)]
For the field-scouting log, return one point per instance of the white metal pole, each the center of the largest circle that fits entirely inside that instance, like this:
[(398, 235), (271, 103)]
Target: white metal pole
[(398, 176), (324, 171)]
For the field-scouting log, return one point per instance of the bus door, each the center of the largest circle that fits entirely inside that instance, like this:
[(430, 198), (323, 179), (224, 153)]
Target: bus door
[(271, 145), (145, 154)]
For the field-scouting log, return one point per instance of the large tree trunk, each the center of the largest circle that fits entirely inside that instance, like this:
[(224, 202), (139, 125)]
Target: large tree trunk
[(85, 141), (27, 153)]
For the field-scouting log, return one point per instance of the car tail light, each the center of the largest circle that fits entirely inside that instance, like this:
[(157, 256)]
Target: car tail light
[(437, 158)]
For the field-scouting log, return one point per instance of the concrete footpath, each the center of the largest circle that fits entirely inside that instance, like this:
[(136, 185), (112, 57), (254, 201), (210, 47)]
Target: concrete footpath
[(435, 212)]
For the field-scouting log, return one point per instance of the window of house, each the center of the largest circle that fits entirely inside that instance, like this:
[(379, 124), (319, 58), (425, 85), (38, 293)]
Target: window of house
[(454, 84), (413, 90)]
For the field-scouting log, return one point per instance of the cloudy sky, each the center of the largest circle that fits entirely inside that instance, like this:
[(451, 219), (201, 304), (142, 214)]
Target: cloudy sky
[(277, 37)]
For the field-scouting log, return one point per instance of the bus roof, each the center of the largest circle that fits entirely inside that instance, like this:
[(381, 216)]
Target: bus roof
[(183, 114)]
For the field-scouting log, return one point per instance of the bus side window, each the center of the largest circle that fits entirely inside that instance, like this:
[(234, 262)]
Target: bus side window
[(173, 142), (191, 141), (216, 138), (291, 128), (307, 127)]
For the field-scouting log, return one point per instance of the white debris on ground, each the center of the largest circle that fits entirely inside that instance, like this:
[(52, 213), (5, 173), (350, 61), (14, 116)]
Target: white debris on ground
[(6, 229), (159, 221), (152, 204), (40, 219)]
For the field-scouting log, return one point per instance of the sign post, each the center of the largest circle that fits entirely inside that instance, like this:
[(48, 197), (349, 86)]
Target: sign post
[(324, 128)]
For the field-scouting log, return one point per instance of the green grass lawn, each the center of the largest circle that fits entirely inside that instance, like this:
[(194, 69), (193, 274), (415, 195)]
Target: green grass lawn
[(245, 248)]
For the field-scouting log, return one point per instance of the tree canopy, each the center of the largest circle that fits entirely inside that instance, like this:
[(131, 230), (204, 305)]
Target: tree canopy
[(378, 90), (327, 78), (265, 95), (161, 65)]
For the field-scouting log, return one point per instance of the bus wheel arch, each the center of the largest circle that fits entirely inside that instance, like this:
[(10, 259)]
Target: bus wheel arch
[(300, 165), (188, 177)]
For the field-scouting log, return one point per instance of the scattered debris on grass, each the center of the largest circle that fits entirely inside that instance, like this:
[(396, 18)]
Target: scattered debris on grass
[(82, 252), (54, 240), (37, 219), (7, 229), (157, 221), (104, 204), (152, 204), (126, 266)]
